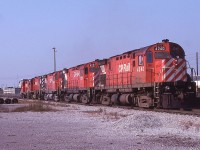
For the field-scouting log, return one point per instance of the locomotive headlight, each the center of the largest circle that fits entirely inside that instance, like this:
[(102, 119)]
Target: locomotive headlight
[(167, 88)]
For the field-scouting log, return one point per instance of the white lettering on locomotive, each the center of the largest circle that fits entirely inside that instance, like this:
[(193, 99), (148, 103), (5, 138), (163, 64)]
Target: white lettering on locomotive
[(140, 69), (124, 67), (159, 48), (76, 74)]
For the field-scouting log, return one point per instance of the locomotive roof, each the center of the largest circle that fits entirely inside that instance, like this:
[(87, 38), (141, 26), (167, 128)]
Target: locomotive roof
[(83, 64), (140, 50), (144, 49)]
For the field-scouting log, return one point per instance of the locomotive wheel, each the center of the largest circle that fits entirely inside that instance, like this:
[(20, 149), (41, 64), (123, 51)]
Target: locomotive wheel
[(45, 97), (34, 96), (144, 102), (115, 99), (14, 100), (98, 99), (7, 101), (66, 98), (1, 100), (105, 100), (62, 97), (56, 98), (76, 97), (84, 99)]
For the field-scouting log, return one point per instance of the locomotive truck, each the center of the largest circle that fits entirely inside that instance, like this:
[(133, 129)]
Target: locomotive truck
[(152, 76)]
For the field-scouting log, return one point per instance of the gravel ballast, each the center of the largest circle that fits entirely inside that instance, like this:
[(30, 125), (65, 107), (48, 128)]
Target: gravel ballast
[(91, 127)]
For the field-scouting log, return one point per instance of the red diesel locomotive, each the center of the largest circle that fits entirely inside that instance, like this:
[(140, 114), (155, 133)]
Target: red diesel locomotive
[(153, 76)]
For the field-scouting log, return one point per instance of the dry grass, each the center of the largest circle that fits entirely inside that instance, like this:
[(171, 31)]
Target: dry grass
[(113, 115), (189, 124), (106, 115), (95, 112), (37, 106)]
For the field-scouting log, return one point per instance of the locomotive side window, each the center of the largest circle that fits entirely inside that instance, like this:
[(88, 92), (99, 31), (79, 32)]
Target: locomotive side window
[(134, 63), (140, 60), (133, 55), (92, 65), (109, 64), (149, 57), (86, 70), (56, 76), (61, 75)]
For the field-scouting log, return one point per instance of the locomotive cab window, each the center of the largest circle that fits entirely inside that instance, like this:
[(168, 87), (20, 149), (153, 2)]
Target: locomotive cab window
[(149, 57), (162, 55), (177, 52), (140, 60)]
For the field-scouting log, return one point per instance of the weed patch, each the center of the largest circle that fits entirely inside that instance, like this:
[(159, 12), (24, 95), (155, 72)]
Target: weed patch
[(106, 115), (37, 106), (189, 124)]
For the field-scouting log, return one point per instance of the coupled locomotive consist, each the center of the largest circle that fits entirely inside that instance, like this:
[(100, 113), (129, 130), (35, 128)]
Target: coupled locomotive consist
[(152, 76)]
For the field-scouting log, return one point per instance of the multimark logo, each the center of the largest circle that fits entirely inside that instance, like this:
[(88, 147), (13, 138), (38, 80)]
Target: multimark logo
[(76, 74)]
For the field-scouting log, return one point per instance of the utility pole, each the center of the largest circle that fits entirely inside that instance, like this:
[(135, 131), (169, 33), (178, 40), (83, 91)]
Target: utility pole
[(197, 69), (197, 63), (192, 73), (54, 50)]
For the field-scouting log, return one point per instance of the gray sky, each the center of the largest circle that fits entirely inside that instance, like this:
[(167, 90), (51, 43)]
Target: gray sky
[(84, 30)]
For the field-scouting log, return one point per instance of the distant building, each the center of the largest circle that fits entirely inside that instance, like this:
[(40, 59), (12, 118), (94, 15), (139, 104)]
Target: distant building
[(1, 91), (197, 80), (11, 90)]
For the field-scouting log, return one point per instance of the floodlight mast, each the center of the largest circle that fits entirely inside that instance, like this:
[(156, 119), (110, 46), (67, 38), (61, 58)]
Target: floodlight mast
[(54, 50)]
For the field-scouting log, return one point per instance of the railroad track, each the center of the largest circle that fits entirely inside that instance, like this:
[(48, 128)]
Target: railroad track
[(194, 111)]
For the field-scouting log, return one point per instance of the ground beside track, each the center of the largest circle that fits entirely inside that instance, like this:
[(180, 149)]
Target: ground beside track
[(92, 127)]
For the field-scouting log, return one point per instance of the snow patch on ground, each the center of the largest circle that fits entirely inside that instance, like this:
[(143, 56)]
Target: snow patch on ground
[(94, 127)]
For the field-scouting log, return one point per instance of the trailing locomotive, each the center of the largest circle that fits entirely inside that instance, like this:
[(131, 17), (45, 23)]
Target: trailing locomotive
[(153, 76)]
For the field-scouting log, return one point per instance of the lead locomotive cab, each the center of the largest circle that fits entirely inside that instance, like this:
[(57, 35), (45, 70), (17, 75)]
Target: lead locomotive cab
[(152, 76), (173, 88)]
